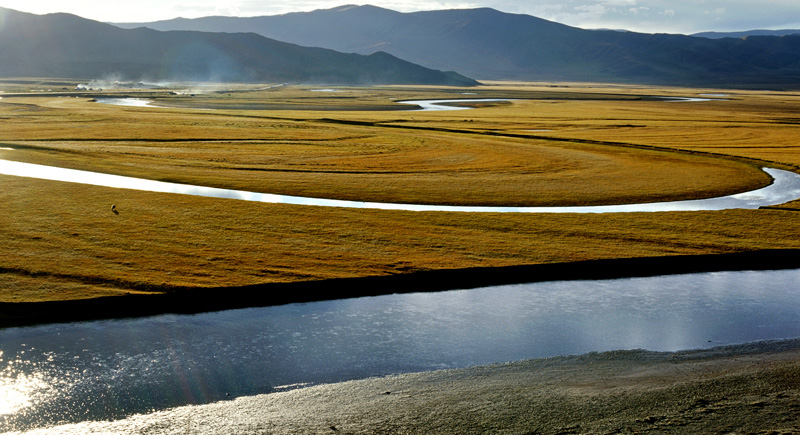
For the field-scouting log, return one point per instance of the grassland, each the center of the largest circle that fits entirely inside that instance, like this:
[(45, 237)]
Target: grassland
[(601, 145)]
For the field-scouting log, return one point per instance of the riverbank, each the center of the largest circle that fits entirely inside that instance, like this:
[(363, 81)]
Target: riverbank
[(169, 299), (748, 388)]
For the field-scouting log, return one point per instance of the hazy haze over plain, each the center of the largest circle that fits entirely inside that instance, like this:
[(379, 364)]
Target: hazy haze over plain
[(650, 16)]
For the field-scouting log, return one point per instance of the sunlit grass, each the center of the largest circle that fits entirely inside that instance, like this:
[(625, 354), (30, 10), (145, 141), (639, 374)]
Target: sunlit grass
[(438, 158), (61, 241)]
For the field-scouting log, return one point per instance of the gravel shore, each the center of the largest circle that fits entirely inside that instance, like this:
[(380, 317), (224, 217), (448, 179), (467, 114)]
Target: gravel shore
[(749, 388)]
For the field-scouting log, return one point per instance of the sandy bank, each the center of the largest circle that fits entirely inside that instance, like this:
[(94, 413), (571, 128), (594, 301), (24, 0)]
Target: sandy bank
[(751, 388)]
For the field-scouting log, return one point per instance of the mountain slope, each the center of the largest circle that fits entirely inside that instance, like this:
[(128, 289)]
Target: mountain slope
[(488, 44), (62, 45)]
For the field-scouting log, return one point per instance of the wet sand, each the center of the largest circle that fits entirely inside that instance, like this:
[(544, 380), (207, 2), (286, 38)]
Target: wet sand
[(750, 388)]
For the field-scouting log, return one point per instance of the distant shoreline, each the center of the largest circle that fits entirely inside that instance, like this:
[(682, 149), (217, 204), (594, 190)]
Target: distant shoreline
[(191, 300)]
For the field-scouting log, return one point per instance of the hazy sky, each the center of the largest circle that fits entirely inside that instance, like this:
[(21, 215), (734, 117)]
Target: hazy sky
[(670, 16)]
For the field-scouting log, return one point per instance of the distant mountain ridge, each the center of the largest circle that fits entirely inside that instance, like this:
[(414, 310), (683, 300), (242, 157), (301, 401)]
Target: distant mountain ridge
[(747, 33), (63, 45), (487, 44)]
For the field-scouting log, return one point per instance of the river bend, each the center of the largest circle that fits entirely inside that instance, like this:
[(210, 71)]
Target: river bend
[(785, 188)]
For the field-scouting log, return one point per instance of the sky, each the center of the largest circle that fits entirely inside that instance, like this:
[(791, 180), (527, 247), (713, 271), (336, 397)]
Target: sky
[(649, 16)]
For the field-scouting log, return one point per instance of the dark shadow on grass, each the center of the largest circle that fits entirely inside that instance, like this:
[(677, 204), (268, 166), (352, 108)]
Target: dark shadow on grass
[(190, 300)]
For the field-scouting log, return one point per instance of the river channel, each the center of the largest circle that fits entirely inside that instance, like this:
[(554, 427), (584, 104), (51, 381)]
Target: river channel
[(785, 188), (87, 371), (421, 105)]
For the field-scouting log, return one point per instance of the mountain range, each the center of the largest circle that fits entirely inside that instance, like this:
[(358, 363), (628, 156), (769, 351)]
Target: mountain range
[(491, 45), (747, 33), (64, 45)]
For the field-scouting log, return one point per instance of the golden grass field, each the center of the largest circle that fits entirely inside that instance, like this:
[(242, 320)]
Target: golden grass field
[(602, 145)]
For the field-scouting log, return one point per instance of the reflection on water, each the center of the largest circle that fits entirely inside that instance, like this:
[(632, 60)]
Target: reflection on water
[(423, 104), (437, 105), (21, 384), (785, 188), (132, 102), (689, 99), (110, 369)]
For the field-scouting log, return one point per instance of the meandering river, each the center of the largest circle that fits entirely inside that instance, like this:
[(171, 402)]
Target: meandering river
[(439, 105), (785, 188), (424, 105), (111, 369)]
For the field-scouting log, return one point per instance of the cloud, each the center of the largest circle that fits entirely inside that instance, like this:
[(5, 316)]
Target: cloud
[(229, 9), (614, 3), (591, 10), (673, 16)]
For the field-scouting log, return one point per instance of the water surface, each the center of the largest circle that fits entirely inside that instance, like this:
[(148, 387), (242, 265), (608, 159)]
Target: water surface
[(439, 105), (110, 369), (785, 188), (132, 102), (689, 99)]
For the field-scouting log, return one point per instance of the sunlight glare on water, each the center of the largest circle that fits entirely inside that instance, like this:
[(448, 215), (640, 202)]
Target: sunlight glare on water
[(17, 389), (132, 102)]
